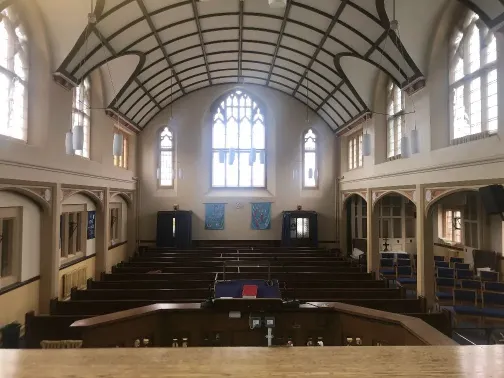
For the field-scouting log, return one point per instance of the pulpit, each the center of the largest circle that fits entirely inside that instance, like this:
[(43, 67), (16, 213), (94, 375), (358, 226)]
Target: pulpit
[(299, 229), (174, 229)]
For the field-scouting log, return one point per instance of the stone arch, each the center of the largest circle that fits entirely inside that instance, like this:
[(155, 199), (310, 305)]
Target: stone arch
[(89, 194), (388, 192), (350, 195), (124, 196), (449, 192), (32, 195)]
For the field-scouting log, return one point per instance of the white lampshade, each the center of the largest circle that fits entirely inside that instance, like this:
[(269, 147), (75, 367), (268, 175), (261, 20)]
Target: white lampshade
[(69, 143), (232, 155), (262, 157), (415, 142), (277, 3), (252, 157), (405, 147), (222, 157), (78, 138), (117, 146), (180, 173), (366, 145)]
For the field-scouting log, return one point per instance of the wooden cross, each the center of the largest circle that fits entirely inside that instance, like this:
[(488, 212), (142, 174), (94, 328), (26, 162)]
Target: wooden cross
[(386, 245)]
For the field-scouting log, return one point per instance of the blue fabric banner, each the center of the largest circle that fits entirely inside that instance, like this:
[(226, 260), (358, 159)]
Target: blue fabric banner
[(261, 215), (214, 216)]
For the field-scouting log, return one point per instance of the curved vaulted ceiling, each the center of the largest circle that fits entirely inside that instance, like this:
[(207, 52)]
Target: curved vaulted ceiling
[(185, 45)]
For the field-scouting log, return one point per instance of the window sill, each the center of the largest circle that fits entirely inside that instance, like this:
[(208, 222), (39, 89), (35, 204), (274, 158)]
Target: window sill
[(70, 258), (472, 137), (239, 192), (12, 139), (7, 281), (396, 157), (355, 169)]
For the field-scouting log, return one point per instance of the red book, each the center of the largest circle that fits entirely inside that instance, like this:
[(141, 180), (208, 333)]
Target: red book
[(249, 291)]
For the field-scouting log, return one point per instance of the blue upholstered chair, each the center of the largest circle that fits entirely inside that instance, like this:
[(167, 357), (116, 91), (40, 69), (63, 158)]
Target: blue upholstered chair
[(461, 266), (439, 258), (405, 277), (494, 286), (387, 269), (489, 276), (454, 260), (445, 272), (387, 255), (444, 290), (493, 306), (464, 274), (441, 264), (465, 306)]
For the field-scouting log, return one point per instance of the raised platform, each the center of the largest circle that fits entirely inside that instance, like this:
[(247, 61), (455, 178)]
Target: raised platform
[(347, 362)]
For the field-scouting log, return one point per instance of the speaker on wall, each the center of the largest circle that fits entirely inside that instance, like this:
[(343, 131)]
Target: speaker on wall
[(492, 197)]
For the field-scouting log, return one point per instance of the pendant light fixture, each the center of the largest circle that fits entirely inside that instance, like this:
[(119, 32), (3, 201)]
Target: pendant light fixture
[(78, 138), (415, 142), (118, 144), (69, 143), (366, 139)]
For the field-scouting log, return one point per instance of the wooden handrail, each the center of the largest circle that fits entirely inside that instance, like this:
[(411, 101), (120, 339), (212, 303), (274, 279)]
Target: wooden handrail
[(418, 328)]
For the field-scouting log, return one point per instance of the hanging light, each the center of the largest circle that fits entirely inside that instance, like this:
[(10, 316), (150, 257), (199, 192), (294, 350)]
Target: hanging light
[(118, 144), (415, 142), (69, 143), (366, 141), (252, 156), (262, 157), (232, 155), (405, 147), (222, 157), (180, 173), (78, 137)]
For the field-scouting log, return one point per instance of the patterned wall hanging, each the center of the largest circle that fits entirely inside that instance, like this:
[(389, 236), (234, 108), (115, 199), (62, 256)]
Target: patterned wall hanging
[(91, 226), (261, 215), (214, 216)]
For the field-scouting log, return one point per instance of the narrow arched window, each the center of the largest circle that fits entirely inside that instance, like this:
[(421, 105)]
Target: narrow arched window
[(81, 113), (473, 79), (238, 143), (310, 160), (166, 158), (395, 120), (13, 76)]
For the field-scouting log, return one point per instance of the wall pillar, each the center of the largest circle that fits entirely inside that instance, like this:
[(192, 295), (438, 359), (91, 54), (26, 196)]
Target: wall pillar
[(50, 250), (102, 234), (131, 226), (373, 247), (343, 228), (425, 250)]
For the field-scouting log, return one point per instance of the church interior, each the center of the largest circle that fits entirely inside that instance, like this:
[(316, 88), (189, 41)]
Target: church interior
[(223, 187)]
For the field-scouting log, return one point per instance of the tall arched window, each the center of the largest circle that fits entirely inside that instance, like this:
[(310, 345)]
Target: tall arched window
[(166, 156), (238, 143), (310, 160), (473, 79), (13, 75), (81, 113), (395, 120)]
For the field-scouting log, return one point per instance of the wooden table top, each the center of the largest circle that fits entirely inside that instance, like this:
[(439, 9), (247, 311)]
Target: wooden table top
[(348, 362)]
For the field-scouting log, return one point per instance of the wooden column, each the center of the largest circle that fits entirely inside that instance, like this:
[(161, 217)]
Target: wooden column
[(50, 251), (425, 250), (102, 234), (373, 248), (343, 228)]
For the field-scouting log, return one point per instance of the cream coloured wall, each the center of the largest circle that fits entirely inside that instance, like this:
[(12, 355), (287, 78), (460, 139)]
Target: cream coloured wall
[(16, 303), (116, 255), (192, 128)]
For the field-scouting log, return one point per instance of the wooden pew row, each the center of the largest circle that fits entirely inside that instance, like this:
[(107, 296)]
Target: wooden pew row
[(132, 268), (218, 262), (371, 284), (105, 307), (204, 293), (250, 255), (215, 251), (300, 277)]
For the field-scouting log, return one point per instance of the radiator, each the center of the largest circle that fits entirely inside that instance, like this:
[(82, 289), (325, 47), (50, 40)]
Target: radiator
[(76, 278)]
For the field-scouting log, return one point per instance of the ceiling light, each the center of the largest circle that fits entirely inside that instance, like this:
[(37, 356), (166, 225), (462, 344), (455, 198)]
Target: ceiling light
[(277, 3)]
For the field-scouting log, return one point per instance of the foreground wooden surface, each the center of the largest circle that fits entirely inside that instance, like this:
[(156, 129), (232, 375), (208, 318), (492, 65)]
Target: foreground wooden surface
[(348, 362)]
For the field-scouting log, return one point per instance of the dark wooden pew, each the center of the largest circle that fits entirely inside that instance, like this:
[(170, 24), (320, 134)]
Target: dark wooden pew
[(306, 276), (371, 284), (104, 307), (218, 262), (133, 268), (49, 327), (198, 295)]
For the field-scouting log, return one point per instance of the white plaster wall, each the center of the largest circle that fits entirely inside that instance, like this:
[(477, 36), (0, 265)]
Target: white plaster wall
[(80, 199), (285, 123), (43, 157), (30, 240)]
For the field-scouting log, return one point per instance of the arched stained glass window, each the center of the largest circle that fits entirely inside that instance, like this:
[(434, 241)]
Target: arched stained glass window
[(473, 79), (238, 143), (310, 161), (166, 158), (13, 75)]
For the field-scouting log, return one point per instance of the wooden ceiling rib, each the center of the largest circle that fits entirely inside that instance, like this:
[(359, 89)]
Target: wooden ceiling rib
[(201, 44)]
